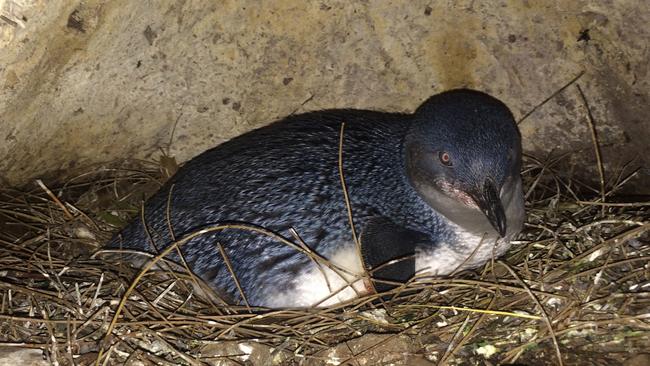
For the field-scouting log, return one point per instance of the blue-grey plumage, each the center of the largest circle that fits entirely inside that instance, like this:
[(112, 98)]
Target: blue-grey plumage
[(448, 173)]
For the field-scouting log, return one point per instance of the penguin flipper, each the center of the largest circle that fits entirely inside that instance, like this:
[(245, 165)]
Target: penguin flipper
[(388, 252)]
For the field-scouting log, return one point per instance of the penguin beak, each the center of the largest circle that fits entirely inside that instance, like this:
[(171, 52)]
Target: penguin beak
[(488, 201)]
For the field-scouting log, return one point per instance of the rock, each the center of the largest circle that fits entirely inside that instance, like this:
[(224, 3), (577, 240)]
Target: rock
[(92, 81), (642, 359), (11, 356)]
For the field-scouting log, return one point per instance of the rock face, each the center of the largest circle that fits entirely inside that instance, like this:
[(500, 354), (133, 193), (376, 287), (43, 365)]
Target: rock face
[(90, 81)]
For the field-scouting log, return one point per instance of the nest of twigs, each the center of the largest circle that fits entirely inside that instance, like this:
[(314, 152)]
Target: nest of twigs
[(574, 289)]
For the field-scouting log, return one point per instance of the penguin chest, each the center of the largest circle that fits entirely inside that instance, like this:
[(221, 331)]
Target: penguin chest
[(467, 252), (325, 284)]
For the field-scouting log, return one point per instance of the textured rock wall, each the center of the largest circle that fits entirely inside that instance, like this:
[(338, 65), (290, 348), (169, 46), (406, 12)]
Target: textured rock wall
[(91, 81)]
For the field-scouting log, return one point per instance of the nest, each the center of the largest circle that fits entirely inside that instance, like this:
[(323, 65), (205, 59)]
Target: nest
[(574, 289)]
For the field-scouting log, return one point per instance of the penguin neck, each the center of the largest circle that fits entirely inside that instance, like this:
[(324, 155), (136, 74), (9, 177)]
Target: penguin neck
[(398, 199), (422, 216)]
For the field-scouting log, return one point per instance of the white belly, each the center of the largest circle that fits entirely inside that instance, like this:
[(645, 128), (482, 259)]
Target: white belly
[(323, 286), (326, 287), (473, 251)]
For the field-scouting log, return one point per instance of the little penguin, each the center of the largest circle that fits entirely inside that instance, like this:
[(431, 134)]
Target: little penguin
[(432, 192)]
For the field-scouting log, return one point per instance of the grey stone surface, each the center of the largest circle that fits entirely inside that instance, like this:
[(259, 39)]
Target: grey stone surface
[(13, 356), (91, 81)]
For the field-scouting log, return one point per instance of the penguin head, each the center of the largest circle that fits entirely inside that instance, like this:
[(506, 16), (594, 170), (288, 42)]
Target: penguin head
[(463, 157)]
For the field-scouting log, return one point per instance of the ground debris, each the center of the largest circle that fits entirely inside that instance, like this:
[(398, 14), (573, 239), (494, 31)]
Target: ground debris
[(576, 283)]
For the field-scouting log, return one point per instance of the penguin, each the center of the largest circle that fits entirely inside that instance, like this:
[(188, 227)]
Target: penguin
[(431, 192)]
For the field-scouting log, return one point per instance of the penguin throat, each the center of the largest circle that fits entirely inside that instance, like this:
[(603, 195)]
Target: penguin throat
[(457, 194), (455, 206)]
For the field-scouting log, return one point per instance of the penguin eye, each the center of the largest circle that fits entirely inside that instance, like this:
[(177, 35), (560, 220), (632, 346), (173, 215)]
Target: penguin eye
[(445, 158)]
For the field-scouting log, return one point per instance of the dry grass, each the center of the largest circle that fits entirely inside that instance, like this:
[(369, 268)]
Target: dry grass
[(575, 286)]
